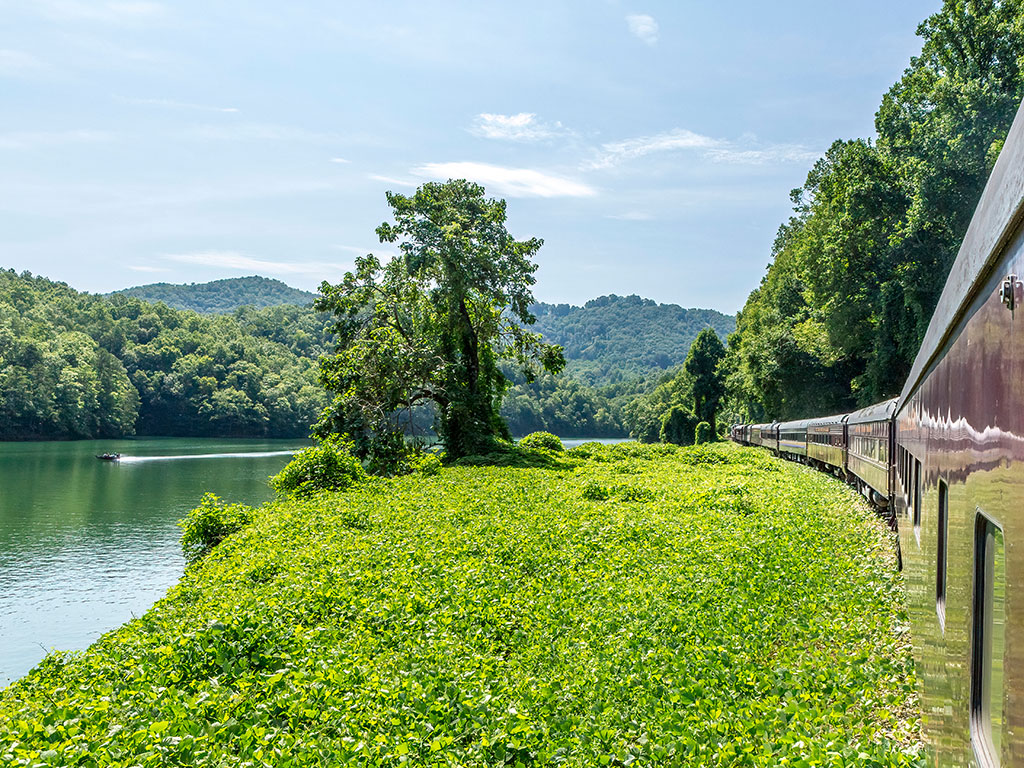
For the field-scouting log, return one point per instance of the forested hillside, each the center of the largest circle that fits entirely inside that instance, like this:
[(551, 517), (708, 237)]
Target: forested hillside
[(858, 269), (615, 339), (76, 365), (221, 296)]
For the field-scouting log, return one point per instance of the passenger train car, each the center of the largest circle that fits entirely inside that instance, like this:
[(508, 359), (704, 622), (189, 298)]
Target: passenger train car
[(945, 463)]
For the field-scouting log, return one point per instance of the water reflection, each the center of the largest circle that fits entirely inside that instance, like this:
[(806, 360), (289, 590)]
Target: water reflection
[(87, 544)]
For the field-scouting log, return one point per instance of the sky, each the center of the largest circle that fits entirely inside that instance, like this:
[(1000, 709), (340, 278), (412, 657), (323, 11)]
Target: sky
[(652, 145)]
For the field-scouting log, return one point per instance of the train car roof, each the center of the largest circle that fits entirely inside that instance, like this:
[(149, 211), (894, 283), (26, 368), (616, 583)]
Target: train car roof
[(822, 421), (878, 412), (802, 423), (994, 221)]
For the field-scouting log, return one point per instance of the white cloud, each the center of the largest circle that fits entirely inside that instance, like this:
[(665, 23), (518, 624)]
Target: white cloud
[(522, 126), (643, 27), (170, 104), (617, 152), (241, 262), (33, 139), (514, 182), (780, 153), (747, 151), (391, 180), (340, 160)]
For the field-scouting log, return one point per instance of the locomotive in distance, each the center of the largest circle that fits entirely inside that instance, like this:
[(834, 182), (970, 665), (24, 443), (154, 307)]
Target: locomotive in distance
[(944, 462)]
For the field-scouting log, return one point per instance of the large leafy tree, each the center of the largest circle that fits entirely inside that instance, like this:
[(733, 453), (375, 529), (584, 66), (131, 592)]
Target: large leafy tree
[(702, 366), (429, 326), (859, 268)]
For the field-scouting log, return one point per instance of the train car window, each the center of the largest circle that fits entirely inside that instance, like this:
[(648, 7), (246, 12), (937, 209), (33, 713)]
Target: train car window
[(988, 642), (917, 499), (940, 554)]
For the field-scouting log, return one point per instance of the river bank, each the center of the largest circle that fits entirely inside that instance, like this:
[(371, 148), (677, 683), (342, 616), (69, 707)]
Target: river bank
[(628, 604)]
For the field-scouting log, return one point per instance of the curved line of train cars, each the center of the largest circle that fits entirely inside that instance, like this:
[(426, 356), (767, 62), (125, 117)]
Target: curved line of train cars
[(945, 460)]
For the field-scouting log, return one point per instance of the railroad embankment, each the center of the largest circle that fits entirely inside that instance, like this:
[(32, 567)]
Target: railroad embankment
[(624, 605)]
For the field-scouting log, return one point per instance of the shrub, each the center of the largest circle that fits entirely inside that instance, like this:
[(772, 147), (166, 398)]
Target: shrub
[(703, 433), (593, 450), (209, 524), (542, 440), (329, 466), (426, 464)]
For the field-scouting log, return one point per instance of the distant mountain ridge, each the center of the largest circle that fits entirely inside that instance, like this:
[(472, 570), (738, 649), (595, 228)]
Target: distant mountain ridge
[(221, 296), (609, 340), (613, 339)]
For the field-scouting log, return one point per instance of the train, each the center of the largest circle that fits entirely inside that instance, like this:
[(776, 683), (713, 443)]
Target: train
[(944, 463)]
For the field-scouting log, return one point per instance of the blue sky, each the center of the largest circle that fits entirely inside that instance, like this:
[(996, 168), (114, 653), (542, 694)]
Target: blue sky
[(651, 145)]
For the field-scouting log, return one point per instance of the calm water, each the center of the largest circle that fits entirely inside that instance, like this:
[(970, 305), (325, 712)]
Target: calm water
[(87, 544)]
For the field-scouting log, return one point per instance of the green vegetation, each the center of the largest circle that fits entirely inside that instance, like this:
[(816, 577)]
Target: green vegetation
[(561, 405), (74, 365), (544, 440), (431, 325), (617, 339), (209, 524), (328, 466), (643, 605), (858, 269), (221, 296)]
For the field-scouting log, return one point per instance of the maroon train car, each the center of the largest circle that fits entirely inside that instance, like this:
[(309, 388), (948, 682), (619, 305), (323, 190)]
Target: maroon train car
[(959, 488)]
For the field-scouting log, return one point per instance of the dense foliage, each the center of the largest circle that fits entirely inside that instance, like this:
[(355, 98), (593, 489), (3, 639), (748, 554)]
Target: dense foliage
[(562, 405), (327, 466), (702, 367), (431, 325), (77, 365), (209, 524), (221, 296), (615, 339), (544, 440), (672, 410), (858, 269), (643, 606)]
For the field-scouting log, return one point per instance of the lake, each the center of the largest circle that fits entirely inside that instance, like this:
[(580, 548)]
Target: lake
[(85, 545)]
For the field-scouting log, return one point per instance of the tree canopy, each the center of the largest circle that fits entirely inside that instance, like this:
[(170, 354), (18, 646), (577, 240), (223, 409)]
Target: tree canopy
[(221, 296), (858, 269), (702, 366), (431, 325), (73, 365)]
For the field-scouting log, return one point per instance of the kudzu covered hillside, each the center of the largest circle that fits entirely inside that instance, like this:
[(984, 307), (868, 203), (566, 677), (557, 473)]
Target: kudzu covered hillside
[(626, 605)]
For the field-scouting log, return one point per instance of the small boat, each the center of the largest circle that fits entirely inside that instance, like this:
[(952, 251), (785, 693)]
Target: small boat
[(108, 456)]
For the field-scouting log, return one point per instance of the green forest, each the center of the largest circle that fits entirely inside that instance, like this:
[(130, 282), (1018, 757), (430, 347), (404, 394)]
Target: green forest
[(221, 296), (141, 361), (73, 365), (617, 339), (857, 270)]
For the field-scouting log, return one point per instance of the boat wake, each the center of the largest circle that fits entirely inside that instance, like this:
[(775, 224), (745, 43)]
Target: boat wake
[(184, 457)]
